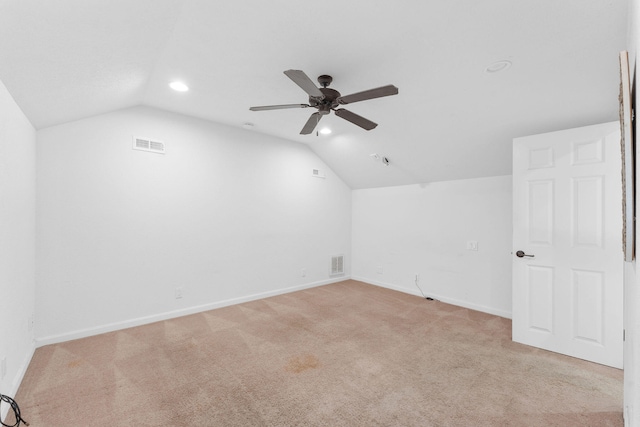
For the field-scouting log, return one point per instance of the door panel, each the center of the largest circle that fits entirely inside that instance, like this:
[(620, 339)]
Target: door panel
[(587, 212), (567, 297), (541, 214), (540, 285), (588, 303)]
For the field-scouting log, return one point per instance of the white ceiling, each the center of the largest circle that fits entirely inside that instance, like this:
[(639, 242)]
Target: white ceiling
[(68, 59)]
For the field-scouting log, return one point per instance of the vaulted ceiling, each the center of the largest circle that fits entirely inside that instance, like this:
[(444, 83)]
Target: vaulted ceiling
[(65, 60)]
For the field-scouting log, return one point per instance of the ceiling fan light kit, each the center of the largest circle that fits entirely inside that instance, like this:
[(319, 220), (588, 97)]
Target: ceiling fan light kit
[(325, 100)]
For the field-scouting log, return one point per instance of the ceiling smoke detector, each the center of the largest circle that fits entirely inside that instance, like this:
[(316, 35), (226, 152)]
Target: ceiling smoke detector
[(498, 66), (376, 157)]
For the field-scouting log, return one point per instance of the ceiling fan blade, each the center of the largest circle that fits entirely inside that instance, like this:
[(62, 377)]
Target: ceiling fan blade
[(302, 80), (278, 107), (356, 119), (369, 94), (311, 124)]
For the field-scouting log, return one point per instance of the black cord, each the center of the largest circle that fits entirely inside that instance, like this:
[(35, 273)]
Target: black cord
[(16, 411)]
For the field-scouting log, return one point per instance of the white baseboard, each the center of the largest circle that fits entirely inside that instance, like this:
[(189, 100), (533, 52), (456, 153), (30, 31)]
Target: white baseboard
[(83, 333), (443, 298), (17, 380)]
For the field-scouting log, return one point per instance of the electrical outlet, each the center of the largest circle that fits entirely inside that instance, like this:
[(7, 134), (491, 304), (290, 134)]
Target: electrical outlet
[(380, 270), (3, 368), (179, 292), (472, 245)]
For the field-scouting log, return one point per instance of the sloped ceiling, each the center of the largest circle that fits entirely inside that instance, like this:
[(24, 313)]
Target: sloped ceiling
[(64, 60)]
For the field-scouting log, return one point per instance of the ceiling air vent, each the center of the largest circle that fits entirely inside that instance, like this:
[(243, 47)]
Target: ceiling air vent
[(337, 265), (148, 144)]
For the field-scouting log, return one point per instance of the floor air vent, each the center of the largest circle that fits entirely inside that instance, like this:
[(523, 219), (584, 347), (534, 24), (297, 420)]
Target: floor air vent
[(147, 144), (337, 265)]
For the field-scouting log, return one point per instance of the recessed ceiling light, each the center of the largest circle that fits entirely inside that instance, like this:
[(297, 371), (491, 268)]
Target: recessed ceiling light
[(325, 131), (179, 86), (498, 66)]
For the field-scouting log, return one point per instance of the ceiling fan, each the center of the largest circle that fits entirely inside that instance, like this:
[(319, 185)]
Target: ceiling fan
[(324, 100)]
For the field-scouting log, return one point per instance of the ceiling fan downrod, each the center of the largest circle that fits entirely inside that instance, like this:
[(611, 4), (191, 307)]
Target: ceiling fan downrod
[(325, 80)]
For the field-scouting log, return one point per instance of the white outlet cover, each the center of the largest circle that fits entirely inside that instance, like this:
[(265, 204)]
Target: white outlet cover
[(472, 245)]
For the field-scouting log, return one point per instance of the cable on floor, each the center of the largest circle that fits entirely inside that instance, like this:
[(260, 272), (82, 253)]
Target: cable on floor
[(418, 286), (16, 411)]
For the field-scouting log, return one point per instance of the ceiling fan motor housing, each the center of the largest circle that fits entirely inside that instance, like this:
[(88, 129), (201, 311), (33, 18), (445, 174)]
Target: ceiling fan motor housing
[(327, 103)]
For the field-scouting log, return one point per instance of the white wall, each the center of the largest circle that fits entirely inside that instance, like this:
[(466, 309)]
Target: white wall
[(227, 214), (631, 278), (17, 241), (424, 229)]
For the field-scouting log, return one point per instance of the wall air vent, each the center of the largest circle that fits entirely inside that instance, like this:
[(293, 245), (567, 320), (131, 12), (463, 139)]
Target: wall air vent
[(318, 173), (337, 265), (148, 144)]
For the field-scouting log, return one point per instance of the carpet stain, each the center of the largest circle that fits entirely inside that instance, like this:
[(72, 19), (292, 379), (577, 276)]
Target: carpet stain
[(302, 363), (74, 363)]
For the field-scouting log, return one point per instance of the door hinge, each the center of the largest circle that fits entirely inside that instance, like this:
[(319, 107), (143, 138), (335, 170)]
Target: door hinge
[(624, 335)]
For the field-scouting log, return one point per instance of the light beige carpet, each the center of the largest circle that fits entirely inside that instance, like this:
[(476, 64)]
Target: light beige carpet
[(346, 354)]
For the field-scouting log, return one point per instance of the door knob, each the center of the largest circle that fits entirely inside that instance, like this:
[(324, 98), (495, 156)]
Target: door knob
[(521, 254)]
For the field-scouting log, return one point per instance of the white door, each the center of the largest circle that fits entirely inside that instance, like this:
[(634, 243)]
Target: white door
[(567, 279)]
